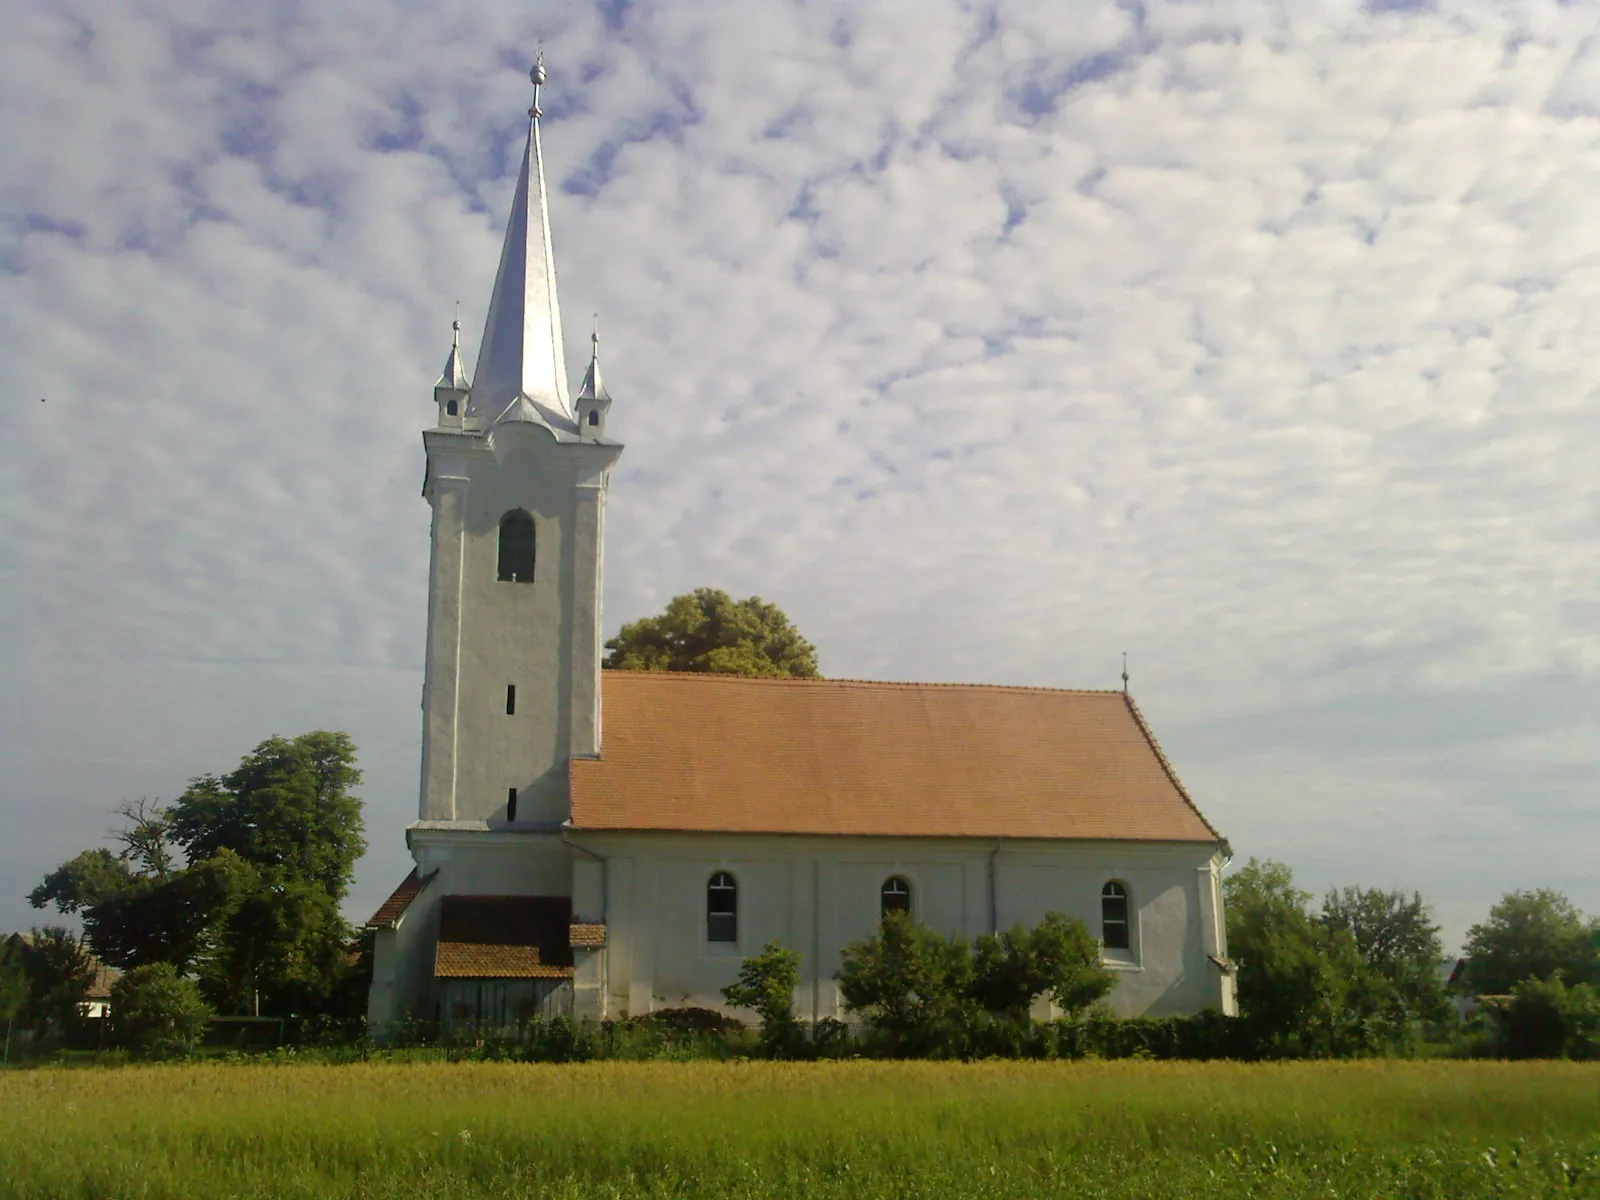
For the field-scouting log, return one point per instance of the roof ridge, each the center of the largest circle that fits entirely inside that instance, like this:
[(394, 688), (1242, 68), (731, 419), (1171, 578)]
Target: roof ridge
[(791, 680), (1166, 763)]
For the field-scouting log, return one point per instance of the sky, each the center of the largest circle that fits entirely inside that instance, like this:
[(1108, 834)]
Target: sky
[(989, 340)]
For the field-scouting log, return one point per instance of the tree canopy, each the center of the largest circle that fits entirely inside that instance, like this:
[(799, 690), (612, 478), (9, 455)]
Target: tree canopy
[(1532, 935), (267, 851), (708, 631), (1397, 939)]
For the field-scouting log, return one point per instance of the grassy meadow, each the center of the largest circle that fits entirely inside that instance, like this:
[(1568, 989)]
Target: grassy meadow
[(851, 1129)]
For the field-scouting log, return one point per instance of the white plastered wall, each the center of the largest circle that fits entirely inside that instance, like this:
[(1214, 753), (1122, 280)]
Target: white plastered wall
[(818, 894)]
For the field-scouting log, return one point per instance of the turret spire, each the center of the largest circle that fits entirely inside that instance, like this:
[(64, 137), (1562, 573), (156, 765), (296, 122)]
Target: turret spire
[(521, 373), (593, 403), (454, 375), (594, 388)]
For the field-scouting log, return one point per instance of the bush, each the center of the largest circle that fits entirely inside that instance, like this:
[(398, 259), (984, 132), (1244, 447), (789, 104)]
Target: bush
[(766, 983), (157, 1012), (690, 1021), (1548, 1019)]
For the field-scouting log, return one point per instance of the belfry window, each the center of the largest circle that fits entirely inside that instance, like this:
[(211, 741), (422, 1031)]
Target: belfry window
[(594, 416), (450, 407), (1114, 926), (722, 908), (516, 547), (895, 896)]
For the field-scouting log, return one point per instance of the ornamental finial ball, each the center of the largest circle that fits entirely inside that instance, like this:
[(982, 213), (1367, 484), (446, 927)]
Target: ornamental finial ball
[(537, 74)]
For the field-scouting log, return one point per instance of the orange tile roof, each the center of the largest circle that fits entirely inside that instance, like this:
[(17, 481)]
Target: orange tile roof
[(586, 936), (392, 909), (503, 937), (846, 757)]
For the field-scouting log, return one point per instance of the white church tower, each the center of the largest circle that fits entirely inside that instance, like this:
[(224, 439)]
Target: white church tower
[(517, 480), (516, 477)]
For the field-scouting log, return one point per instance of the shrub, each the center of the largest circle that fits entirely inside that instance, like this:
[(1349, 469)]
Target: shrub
[(766, 984), (1548, 1019), (912, 986), (689, 1020), (1058, 956), (158, 1012)]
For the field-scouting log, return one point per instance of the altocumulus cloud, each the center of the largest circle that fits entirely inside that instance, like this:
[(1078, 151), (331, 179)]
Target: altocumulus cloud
[(1261, 341)]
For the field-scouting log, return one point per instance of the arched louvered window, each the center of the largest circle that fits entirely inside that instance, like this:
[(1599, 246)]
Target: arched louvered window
[(895, 896), (1115, 928), (722, 908), (516, 547)]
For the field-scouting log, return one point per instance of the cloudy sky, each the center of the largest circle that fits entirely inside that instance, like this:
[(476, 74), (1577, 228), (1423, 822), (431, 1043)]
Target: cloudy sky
[(987, 339)]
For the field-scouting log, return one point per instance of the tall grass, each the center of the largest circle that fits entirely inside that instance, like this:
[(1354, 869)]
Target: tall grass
[(855, 1129)]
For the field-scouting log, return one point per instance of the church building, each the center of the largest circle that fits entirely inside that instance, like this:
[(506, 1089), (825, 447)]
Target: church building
[(607, 843)]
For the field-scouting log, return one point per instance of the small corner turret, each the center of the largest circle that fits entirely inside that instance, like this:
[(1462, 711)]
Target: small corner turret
[(593, 402), (450, 393)]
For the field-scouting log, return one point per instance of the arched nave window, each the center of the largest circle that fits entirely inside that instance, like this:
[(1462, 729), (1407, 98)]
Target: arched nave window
[(722, 908), (895, 896), (516, 547), (1115, 927)]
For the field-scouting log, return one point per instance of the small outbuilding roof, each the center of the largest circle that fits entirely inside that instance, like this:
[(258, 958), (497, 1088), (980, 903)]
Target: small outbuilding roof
[(392, 909), (504, 937), (722, 753)]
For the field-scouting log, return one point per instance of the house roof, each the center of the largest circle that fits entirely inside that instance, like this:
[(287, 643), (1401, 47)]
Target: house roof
[(726, 753), (392, 909), (503, 937)]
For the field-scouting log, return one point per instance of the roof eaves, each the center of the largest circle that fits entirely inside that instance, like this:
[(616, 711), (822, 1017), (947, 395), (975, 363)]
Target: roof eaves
[(393, 910), (1166, 765)]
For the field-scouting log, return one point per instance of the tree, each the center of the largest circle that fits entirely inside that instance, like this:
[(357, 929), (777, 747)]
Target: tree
[(1531, 935), (708, 631), (157, 1011), (268, 851), (1398, 941), (59, 972), (1058, 956), (13, 985), (766, 984), (912, 984), (1303, 986)]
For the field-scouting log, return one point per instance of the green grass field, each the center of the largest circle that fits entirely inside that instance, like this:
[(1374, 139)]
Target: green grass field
[(856, 1129)]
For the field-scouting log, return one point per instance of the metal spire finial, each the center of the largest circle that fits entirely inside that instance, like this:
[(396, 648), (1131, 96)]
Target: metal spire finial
[(455, 326), (1124, 672), (538, 76), (595, 336)]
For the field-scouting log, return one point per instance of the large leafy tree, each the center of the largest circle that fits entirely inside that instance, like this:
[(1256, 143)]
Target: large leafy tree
[(13, 985), (239, 879), (708, 631), (1304, 988), (1532, 935), (59, 972), (1398, 941)]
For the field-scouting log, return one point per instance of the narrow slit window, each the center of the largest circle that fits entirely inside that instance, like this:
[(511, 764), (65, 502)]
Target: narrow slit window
[(511, 804), (1114, 928), (895, 896), (511, 699), (722, 908), (516, 547)]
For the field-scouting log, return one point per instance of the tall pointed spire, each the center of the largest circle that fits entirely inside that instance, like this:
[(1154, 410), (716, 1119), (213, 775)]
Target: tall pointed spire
[(522, 374)]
